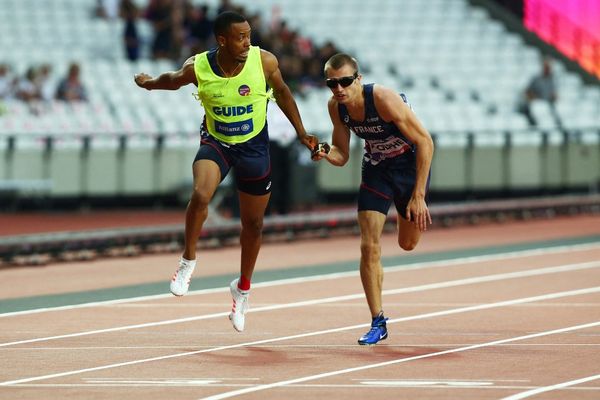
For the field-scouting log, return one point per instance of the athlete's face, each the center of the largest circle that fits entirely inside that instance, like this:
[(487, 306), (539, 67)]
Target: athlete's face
[(344, 83), (237, 41)]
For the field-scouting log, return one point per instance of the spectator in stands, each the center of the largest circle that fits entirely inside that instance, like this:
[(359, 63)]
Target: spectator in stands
[(131, 39), (327, 51), (395, 169), (26, 89), (225, 5), (259, 36), (180, 29), (7, 82), (232, 86), (44, 83), (107, 9), (313, 76), (70, 87), (160, 14), (541, 87), (291, 70), (200, 27), (281, 140)]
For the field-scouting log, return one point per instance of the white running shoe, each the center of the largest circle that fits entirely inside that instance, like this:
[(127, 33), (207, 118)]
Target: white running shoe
[(240, 306), (181, 279)]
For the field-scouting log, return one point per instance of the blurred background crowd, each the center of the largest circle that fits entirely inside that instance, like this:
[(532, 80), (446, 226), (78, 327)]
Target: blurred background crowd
[(508, 89), (179, 29)]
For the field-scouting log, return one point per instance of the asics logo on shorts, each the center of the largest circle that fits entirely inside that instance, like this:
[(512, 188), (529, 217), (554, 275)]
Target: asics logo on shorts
[(268, 186)]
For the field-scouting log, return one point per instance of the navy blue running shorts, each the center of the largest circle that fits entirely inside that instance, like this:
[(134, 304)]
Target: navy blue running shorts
[(250, 161), (390, 180)]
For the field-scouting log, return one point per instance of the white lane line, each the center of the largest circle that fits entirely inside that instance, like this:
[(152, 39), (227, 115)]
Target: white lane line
[(533, 392), (336, 275), (258, 388), (316, 333), (381, 381), (432, 304), (420, 288), (307, 385), (212, 378), (107, 302), (307, 346), (428, 383)]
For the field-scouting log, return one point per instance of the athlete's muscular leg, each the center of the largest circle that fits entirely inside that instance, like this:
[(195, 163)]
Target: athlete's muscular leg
[(371, 272), (408, 234), (207, 177), (252, 212)]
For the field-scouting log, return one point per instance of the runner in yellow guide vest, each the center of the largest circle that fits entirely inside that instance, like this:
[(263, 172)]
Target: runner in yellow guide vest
[(233, 82)]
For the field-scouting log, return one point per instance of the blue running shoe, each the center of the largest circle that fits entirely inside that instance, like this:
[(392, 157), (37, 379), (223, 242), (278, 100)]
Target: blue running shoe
[(377, 332)]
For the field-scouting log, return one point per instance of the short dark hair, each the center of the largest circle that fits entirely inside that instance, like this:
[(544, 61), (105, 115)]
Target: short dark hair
[(224, 21), (338, 60)]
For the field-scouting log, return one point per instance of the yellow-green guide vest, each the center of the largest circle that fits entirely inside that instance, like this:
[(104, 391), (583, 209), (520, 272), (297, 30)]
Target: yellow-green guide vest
[(235, 107)]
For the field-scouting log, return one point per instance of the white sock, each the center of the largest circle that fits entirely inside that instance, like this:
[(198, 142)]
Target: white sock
[(188, 262)]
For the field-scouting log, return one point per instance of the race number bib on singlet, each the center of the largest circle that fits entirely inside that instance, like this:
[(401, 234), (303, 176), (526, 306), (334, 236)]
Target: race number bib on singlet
[(379, 150)]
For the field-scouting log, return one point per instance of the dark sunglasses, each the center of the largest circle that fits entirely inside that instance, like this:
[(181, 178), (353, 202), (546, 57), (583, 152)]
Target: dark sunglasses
[(344, 81)]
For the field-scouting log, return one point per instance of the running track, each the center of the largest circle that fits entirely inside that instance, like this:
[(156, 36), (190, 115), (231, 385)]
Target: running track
[(498, 311)]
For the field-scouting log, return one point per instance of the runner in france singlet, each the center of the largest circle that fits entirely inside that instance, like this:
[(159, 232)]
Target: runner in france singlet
[(383, 140)]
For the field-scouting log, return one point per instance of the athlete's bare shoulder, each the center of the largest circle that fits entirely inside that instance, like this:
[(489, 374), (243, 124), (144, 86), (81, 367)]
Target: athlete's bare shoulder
[(385, 97), (332, 107), (190, 61), (388, 103), (269, 61), (188, 71), (383, 93)]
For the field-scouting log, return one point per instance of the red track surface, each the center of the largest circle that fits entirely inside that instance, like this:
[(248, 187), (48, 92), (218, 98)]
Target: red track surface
[(29, 223), (472, 332)]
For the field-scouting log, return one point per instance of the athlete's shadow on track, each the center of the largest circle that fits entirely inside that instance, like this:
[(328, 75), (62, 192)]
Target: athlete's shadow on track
[(253, 356)]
